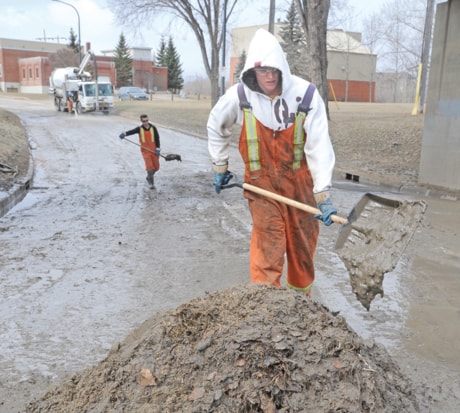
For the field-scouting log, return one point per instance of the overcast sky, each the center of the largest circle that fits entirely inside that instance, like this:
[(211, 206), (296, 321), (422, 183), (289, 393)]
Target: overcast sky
[(39, 19)]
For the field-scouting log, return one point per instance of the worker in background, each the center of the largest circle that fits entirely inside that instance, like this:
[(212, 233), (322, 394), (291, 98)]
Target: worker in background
[(283, 152), (149, 140), (69, 102)]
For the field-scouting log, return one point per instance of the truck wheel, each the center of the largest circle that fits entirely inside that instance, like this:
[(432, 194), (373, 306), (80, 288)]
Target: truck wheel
[(78, 108), (57, 103)]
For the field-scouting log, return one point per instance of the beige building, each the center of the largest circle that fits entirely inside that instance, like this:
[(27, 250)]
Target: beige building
[(351, 65)]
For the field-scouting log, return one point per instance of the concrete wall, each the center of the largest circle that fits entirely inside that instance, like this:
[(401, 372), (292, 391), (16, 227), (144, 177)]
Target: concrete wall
[(440, 157)]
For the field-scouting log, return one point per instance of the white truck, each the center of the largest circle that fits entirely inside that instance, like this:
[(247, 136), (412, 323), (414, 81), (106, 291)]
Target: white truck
[(85, 94)]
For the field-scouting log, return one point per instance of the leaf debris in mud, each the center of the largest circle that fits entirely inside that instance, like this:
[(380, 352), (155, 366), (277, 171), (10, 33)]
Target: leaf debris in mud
[(251, 348)]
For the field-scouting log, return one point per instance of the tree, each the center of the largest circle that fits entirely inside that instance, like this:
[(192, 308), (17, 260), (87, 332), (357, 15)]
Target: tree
[(293, 43), (64, 57), (160, 58), (313, 15), (206, 19), (123, 63), (239, 68), (396, 32), (73, 44), (175, 79)]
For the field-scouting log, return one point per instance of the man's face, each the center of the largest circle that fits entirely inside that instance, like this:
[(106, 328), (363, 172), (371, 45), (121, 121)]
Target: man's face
[(268, 79), (145, 121)]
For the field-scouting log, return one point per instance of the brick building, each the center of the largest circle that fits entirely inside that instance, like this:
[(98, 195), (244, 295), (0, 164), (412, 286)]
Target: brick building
[(25, 67), (33, 73), (351, 68)]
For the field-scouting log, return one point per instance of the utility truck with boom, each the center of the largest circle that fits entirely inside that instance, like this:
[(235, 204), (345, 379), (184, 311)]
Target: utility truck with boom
[(75, 90)]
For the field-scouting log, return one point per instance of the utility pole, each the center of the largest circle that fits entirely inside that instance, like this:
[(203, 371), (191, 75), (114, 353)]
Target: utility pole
[(44, 38), (271, 17), (426, 52), (224, 32)]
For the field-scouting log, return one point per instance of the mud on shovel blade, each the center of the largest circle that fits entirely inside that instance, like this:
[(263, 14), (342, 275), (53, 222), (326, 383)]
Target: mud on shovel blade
[(371, 243)]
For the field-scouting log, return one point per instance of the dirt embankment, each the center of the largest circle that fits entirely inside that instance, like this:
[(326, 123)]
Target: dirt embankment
[(14, 152)]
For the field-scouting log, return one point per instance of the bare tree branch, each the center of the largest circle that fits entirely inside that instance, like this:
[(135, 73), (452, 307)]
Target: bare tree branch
[(204, 17)]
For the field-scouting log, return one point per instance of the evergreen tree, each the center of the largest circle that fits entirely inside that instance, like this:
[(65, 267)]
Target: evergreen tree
[(161, 58), (73, 43), (239, 68), (123, 63), (293, 42), (175, 79)]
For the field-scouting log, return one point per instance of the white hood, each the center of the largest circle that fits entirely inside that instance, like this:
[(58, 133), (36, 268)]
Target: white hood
[(264, 50)]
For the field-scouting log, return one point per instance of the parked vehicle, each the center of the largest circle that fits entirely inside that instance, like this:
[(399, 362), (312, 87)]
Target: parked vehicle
[(132, 93), (77, 86)]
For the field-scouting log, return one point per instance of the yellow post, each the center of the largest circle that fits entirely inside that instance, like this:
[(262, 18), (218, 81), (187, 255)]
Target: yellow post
[(333, 94), (417, 90)]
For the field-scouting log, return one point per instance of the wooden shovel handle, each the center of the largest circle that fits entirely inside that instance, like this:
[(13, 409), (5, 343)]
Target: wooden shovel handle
[(291, 202)]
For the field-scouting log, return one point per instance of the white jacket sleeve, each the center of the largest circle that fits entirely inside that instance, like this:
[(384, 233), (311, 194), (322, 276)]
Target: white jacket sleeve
[(222, 117), (318, 148)]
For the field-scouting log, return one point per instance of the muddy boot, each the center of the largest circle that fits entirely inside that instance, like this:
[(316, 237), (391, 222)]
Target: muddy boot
[(150, 179)]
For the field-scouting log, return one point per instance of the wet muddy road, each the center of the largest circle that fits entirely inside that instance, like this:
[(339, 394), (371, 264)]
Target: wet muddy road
[(91, 252)]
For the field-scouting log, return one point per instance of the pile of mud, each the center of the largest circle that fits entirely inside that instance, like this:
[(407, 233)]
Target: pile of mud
[(251, 348)]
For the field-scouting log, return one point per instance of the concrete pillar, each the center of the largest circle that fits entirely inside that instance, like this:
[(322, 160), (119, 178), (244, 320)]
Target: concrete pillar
[(440, 156)]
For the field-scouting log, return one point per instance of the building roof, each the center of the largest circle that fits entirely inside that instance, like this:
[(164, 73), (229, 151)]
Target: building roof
[(337, 39), (341, 41), (30, 45)]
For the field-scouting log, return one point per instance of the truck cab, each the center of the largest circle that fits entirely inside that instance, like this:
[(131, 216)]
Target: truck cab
[(89, 100)]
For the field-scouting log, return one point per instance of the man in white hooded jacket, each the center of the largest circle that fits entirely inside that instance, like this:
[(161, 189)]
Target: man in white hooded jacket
[(284, 152)]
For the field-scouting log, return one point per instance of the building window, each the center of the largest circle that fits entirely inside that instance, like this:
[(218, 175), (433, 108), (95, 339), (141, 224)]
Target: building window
[(37, 73), (23, 73), (30, 73)]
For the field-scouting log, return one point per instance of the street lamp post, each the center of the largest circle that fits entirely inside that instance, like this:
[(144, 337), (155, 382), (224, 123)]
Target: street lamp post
[(224, 31), (79, 34)]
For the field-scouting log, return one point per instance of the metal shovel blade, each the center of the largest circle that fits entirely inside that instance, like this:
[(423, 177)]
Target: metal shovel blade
[(172, 157), (371, 243)]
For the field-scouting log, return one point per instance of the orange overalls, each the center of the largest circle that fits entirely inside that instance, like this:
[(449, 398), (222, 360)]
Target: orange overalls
[(148, 146), (279, 228)]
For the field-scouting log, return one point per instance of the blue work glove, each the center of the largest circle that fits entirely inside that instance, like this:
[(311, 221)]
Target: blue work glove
[(327, 209), (221, 179), (157, 152), (122, 135)]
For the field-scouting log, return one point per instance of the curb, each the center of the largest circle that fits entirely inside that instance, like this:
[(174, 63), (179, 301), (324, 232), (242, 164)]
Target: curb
[(341, 178), (9, 199)]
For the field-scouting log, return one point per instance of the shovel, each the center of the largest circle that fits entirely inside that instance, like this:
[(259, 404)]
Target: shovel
[(169, 157), (370, 241)]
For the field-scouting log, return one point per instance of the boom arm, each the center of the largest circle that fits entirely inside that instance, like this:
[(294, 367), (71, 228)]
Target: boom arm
[(89, 55)]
